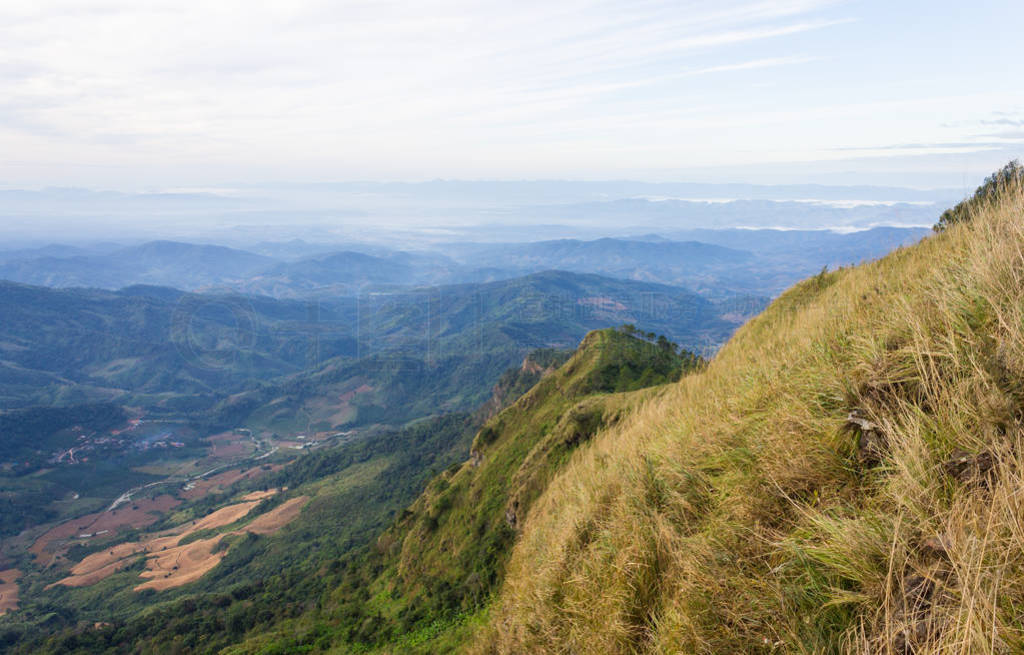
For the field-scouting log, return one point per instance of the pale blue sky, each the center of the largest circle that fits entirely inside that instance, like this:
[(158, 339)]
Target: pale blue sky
[(157, 94)]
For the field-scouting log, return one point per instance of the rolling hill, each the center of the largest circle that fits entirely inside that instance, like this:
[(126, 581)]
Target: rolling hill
[(161, 263), (348, 273), (717, 263), (612, 255), (842, 477), (270, 579), (221, 360)]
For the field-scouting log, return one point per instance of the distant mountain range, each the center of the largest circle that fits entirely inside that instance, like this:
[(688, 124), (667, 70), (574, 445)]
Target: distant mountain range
[(411, 215), (349, 273), (716, 263), (181, 265), (610, 255), (229, 355), (370, 450)]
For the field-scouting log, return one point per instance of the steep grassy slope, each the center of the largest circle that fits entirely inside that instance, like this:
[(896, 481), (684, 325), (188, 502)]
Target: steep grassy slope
[(440, 562), (458, 533), (843, 478)]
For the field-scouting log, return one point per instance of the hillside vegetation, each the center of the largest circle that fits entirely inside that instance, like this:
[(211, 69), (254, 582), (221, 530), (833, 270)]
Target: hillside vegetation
[(423, 586), (421, 351), (330, 580), (844, 477)]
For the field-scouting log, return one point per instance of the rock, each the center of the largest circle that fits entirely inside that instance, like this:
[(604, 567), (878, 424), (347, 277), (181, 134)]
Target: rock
[(917, 593), (968, 467), (871, 442), (908, 640), (935, 547), (871, 447), (511, 514), (857, 419), (903, 643), (925, 630)]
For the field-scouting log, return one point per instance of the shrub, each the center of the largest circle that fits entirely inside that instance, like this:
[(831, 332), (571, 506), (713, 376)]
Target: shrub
[(1007, 178)]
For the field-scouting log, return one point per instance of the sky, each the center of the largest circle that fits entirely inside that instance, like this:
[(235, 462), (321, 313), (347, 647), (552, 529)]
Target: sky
[(154, 94)]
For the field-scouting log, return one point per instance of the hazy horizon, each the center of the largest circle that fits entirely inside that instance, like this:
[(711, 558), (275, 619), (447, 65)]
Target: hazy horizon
[(385, 123), (425, 214)]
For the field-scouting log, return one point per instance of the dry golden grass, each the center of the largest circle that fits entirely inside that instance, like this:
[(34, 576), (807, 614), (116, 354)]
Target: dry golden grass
[(734, 514)]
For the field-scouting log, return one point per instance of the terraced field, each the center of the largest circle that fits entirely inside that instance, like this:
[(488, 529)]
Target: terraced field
[(171, 558)]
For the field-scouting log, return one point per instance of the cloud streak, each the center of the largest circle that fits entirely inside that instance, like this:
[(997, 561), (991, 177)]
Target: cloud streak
[(314, 89)]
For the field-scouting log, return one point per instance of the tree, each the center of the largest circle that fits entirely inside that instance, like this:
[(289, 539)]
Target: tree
[(1006, 179)]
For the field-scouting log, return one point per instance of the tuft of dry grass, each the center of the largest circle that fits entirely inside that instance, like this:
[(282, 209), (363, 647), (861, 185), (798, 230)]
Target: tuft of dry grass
[(735, 513)]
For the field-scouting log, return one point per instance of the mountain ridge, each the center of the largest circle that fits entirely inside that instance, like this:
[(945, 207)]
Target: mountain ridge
[(837, 480), (719, 265)]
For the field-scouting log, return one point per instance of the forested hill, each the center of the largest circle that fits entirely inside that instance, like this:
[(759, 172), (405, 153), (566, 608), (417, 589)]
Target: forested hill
[(320, 585), (842, 477), (429, 576), (182, 353)]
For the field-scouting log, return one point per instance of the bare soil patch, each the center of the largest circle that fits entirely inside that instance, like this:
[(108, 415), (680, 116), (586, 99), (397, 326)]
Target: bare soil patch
[(222, 481), (148, 512), (223, 516), (138, 514), (92, 577), (169, 563), (276, 518), (181, 564), (104, 563), (229, 444), (349, 395), (105, 557), (9, 590), (259, 495)]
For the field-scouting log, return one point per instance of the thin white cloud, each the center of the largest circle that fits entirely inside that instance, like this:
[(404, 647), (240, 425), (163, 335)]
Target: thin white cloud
[(382, 88)]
